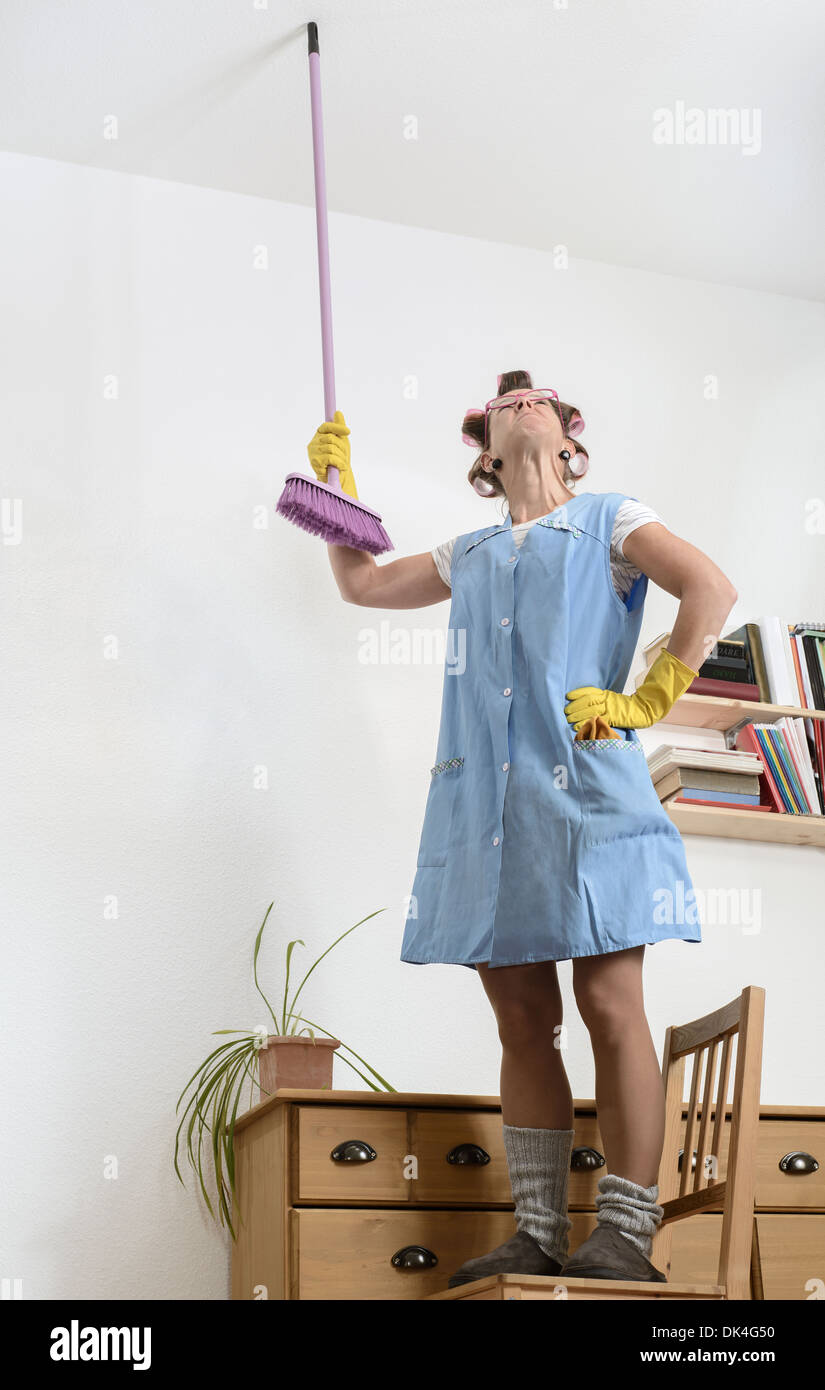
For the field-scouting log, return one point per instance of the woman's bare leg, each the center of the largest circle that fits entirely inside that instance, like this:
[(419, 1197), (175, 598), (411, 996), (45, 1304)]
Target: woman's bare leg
[(527, 1003), (630, 1097)]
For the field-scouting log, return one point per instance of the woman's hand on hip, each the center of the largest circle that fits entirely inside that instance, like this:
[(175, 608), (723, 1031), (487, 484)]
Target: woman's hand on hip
[(667, 679)]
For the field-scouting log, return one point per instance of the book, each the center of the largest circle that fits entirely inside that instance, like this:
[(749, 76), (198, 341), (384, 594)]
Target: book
[(738, 806), (726, 668), (749, 634), (778, 662), (724, 689), (667, 757), (706, 780), (729, 659), (701, 796), (791, 783), (729, 648), (812, 690)]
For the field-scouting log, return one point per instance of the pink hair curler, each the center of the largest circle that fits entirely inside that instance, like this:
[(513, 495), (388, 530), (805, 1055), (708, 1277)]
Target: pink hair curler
[(472, 412)]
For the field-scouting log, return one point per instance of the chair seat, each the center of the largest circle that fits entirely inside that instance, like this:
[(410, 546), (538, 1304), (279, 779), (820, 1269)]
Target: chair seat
[(555, 1286)]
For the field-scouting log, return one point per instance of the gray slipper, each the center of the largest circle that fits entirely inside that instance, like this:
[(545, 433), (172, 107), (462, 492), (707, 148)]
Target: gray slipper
[(521, 1254), (606, 1254)]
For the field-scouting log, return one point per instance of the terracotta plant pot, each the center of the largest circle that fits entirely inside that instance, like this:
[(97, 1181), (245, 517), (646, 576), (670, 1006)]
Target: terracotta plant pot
[(297, 1063)]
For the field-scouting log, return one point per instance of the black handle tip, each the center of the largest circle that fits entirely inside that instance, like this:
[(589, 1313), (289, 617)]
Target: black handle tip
[(312, 34)]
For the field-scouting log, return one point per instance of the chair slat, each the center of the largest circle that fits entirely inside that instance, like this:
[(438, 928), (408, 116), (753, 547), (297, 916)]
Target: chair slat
[(690, 1128), (701, 1177), (721, 1099)]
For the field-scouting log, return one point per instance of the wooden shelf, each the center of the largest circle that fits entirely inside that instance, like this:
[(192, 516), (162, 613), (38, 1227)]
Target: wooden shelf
[(708, 712), (730, 824)]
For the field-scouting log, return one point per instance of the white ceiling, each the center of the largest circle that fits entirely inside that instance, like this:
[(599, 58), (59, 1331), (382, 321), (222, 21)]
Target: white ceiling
[(534, 122)]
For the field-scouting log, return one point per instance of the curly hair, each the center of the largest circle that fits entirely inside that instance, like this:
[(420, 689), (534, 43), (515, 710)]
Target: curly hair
[(473, 429)]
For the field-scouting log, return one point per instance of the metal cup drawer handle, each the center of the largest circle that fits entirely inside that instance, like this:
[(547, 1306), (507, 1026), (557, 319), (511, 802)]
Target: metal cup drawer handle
[(468, 1153), (353, 1151), (798, 1164), (585, 1160), (414, 1257)]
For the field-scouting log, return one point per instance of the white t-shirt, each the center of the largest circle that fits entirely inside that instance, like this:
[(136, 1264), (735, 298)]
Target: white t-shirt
[(628, 517)]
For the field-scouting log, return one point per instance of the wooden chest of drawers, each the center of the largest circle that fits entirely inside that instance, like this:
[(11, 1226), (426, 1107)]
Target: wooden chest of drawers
[(382, 1195)]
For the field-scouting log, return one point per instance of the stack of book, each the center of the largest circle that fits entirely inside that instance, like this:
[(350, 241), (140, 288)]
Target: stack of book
[(708, 777), (771, 663)]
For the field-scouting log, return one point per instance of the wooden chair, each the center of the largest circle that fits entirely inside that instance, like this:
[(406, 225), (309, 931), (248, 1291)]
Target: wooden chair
[(687, 1187)]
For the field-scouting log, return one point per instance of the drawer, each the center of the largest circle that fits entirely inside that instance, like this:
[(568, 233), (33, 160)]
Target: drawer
[(320, 1177), (440, 1139), (348, 1254), (791, 1252), (775, 1139), (460, 1158)]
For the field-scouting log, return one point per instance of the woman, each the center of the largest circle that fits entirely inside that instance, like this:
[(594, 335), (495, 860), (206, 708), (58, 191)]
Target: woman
[(543, 837)]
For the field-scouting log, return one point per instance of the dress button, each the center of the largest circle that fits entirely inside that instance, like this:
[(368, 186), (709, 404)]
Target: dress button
[(505, 622), (505, 767), (508, 691), (495, 840)]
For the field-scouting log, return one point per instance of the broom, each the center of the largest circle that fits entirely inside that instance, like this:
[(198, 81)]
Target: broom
[(324, 509)]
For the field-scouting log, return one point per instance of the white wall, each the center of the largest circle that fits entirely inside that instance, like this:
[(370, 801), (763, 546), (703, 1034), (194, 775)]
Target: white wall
[(133, 776)]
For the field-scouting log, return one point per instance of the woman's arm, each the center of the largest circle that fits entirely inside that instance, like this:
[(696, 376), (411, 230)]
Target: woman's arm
[(413, 582), (706, 596)]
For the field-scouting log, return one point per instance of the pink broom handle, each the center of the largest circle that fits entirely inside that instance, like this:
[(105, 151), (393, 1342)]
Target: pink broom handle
[(322, 232)]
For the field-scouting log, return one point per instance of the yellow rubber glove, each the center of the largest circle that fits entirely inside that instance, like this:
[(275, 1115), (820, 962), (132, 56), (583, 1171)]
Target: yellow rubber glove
[(330, 445), (667, 679)]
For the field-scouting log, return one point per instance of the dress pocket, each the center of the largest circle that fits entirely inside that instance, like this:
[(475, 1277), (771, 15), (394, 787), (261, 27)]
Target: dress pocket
[(619, 798), (445, 779)]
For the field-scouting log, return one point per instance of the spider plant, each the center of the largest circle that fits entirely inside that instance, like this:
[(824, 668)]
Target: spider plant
[(218, 1083)]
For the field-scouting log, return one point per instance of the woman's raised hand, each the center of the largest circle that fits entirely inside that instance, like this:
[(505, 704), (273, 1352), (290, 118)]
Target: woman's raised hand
[(330, 446)]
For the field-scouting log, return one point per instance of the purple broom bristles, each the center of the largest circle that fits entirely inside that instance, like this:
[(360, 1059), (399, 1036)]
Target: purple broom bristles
[(328, 512)]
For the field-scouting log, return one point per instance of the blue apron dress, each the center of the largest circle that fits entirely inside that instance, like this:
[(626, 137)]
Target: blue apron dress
[(536, 847)]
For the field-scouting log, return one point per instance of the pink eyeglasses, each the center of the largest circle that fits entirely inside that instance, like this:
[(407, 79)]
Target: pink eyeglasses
[(538, 393)]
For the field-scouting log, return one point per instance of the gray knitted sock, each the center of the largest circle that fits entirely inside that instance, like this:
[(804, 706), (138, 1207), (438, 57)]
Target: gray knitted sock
[(630, 1208), (539, 1165)]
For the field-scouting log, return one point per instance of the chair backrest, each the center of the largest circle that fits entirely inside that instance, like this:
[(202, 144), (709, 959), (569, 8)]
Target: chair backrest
[(692, 1184)]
